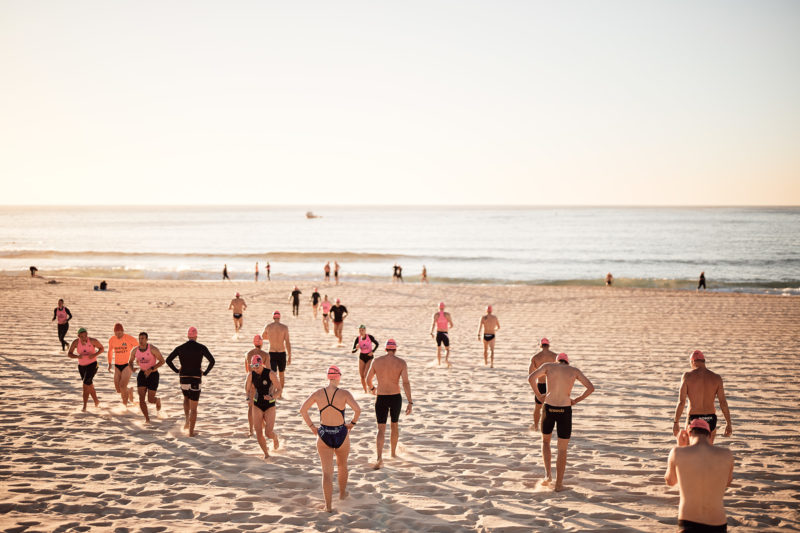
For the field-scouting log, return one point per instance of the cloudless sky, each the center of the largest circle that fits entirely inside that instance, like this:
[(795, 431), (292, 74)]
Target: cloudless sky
[(413, 102)]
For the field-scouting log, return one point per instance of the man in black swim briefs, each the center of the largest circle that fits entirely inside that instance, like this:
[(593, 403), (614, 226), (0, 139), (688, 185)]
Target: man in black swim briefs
[(558, 404), (489, 324), (238, 306), (191, 355), (280, 347)]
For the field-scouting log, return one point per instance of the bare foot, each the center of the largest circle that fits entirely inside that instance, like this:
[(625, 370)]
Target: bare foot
[(343, 495), (97, 403), (186, 425), (84, 408), (559, 488), (266, 457), (378, 464), (546, 481), (158, 404), (275, 443), (192, 433), (146, 420), (325, 508), (394, 455)]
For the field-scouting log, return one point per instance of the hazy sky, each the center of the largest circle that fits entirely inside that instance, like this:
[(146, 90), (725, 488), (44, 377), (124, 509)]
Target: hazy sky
[(413, 102)]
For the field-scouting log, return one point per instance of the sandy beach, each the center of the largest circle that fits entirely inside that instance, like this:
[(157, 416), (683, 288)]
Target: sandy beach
[(468, 459)]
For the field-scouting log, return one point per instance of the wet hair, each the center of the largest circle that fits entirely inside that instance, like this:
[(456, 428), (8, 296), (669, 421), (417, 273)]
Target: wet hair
[(697, 432), (146, 336), (562, 361)]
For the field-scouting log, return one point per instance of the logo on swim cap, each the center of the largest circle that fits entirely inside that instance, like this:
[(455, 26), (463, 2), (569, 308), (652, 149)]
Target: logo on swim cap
[(700, 424), (276, 314), (334, 372), (256, 360), (391, 345), (192, 333), (257, 340)]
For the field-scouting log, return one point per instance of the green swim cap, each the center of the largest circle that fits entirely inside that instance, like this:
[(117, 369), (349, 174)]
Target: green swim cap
[(81, 330), (362, 326)]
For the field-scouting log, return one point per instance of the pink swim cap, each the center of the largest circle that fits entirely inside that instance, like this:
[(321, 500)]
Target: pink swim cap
[(488, 308), (334, 372), (697, 355), (237, 294), (544, 342), (441, 305), (562, 357), (257, 340), (276, 314), (391, 345), (338, 301), (701, 424), (256, 360), (192, 333)]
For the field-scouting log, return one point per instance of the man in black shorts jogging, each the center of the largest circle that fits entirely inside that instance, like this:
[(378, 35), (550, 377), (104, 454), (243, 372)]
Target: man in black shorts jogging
[(558, 410), (545, 356), (191, 354), (280, 348), (389, 369)]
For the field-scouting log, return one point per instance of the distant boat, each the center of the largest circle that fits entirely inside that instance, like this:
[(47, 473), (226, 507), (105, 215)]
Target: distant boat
[(310, 214)]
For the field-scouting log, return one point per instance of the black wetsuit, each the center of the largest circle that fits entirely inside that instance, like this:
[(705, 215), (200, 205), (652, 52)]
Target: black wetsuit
[(338, 312), (702, 282), (63, 328), (296, 302), (262, 384), (191, 354), (315, 298)]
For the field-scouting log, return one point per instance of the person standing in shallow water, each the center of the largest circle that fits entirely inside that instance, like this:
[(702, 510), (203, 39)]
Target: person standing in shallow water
[(225, 273), (333, 433), (702, 281)]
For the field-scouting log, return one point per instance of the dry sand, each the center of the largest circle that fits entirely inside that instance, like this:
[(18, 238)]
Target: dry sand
[(468, 458)]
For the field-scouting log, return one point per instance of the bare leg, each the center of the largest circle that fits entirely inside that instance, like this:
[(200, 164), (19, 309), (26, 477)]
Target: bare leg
[(491, 347), (258, 419), (537, 413), (142, 403), (341, 467), (362, 371), (85, 396), (269, 427), (711, 437), (93, 395), (192, 416), (485, 353), (561, 463), (379, 440), (438, 354), (151, 398), (548, 475), (283, 383), (124, 390), (249, 418), (326, 459), (395, 436), (117, 376), (186, 412), (447, 356)]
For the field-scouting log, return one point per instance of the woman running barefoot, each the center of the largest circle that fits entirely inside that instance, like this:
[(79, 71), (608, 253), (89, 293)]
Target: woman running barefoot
[(263, 387), (87, 362), (333, 433), (326, 308)]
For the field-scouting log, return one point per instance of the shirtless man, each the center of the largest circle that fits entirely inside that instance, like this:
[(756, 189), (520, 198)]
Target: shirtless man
[(149, 359), (442, 321), (257, 342), (256, 271), (280, 349), (558, 410), (703, 471), (238, 306), (336, 271), (489, 324), (701, 385), (87, 362), (119, 351), (327, 270), (389, 369), (545, 356), (191, 355)]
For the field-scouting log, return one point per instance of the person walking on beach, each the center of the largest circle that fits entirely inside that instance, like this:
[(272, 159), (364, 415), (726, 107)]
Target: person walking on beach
[(295, 299), (558, 404), (262, 389), (225, 273), (609, 279), (190, 354), (280, 348), (366, 345), (256, 271), (336, 272), (489, 324), (702, 281), (389, 370), (394, 273), (399, 273), (339, 312), (268, 272), (544, 356), (424, 278), (702, 386), (703, 472), (327, 270), (248, 358), (326, 308), (333, 434), (88, 349), (63, 316), (238, 306), (442, 322), (33, 270), (315, 297), (149, 359), (120, 345)]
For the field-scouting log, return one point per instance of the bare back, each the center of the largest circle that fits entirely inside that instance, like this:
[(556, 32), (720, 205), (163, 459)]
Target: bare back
[(702, 386), (277, 335), (330, 416), (545, 356), (389, 369), (238, 305), (560, 379), (490, 324), (704, 472)]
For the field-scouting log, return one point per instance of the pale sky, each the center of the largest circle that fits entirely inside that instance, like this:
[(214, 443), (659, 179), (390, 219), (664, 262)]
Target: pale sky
[(412, 102)]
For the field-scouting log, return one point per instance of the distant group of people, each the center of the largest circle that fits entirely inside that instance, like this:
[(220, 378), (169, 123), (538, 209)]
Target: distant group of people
[(701, 283), (550, 375), (267, 268), (397, 274)]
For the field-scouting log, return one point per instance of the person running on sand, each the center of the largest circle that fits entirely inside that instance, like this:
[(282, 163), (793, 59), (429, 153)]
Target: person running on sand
[(701, 386), (703, 472), (295, 299), (489, 324), (63, 316), (326, 308), (262, 389), (338, 312), (558, 410), (257, 342), (87, 362), (544, 356), (333, 433), (315, 297), (280, 348), (327, 269), (442, 322), (366, 345), (238, 305), (191, 354), (394, 273), (225, 273), (389, 370), (336, 272), (119, 353), (149, 359)]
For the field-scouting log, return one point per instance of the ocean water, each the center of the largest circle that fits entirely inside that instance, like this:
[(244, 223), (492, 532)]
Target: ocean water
[(748, 249)]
